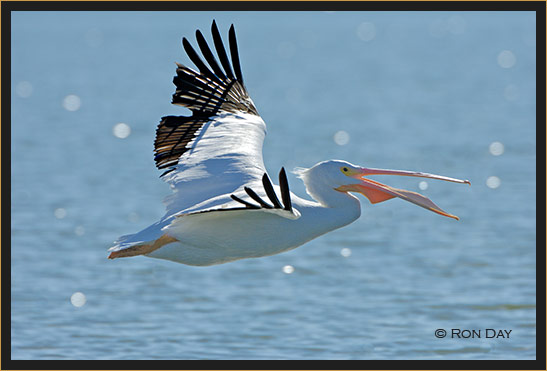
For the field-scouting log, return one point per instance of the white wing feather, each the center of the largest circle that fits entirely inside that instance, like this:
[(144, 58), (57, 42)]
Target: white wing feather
[(224, 157)]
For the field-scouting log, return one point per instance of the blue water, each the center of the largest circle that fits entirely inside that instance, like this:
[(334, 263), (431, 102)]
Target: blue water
[(416, 91)]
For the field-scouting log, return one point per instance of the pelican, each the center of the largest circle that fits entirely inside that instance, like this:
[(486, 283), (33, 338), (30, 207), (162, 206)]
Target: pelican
[(224, 206)]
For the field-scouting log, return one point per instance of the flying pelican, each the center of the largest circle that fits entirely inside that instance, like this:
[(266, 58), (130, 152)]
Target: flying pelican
[(224, 206)]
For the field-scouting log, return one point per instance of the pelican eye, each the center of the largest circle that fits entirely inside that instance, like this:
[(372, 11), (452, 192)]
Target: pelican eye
[(345, 169)]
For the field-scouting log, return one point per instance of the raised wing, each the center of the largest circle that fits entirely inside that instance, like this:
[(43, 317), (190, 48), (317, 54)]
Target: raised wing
[(217, 149)]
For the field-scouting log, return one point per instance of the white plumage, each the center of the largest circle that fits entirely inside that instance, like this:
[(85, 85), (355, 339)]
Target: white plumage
[(224, 206)]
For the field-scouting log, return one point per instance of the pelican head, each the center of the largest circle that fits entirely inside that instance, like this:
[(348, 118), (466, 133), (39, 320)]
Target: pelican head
[(345, 177)]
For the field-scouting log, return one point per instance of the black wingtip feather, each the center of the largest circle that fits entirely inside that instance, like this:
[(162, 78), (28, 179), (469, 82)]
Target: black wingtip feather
[(285, 193), (206, 51), (235, 54), (221, 52), (194, 57), (257, 198), (248, 205), (268, 187)]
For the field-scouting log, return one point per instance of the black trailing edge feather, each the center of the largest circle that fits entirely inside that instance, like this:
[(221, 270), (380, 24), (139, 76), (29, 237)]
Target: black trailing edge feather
[(268, 187), (206, 93)]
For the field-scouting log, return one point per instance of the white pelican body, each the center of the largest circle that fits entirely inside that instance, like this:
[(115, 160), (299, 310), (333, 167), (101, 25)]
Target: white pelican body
[(224, 206), (206, 239)]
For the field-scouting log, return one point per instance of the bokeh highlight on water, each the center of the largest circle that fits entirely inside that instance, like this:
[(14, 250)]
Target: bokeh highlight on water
[(451, 93)]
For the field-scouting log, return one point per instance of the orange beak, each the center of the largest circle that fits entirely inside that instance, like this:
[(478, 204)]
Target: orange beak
[(378, 192)]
